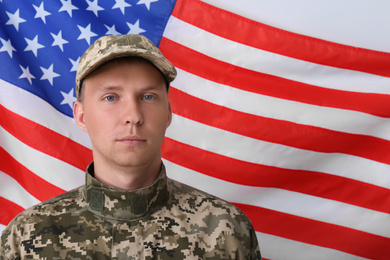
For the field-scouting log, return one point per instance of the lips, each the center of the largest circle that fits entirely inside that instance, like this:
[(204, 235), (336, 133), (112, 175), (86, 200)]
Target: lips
[(132, 140)]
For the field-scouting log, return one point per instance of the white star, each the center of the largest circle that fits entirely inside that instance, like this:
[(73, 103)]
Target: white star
[(67, 6), (33, 45), (134, 28), (49, 74), (7, 46), (26, 74), (15, 20), (94, 7), (111, 30), (146, 3), (121, 4), (68, 98), (86, 33), (75, 64), (41, 13), (58, 41)]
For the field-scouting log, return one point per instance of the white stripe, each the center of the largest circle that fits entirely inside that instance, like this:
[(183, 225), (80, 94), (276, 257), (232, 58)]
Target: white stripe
[(2, 227), (38, 110), (325, 117), (256, 151), (11, 190), (273, 64), (356, 23), (293, 203), (55, 171), (278, 248)]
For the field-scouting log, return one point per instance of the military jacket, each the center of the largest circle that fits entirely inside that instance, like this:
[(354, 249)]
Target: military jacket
[(167, 220)]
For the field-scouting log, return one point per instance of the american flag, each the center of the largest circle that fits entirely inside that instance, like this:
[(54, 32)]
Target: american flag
[(291, 128)]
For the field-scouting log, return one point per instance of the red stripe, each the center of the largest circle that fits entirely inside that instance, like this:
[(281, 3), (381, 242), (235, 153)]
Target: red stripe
[(318, 233), (9, 211), (308, 182), (249, 80), (45, 140), (35, 185), (283, 132), (261, 36)]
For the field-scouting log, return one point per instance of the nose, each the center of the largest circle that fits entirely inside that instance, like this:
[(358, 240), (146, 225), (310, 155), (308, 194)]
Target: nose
[(132, 113)]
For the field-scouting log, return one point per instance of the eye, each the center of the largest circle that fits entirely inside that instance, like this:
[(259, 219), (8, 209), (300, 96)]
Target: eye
[(148, 97), (110, 98)]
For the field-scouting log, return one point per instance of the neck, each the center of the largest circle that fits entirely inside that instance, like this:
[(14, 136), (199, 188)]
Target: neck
[(127, 178)]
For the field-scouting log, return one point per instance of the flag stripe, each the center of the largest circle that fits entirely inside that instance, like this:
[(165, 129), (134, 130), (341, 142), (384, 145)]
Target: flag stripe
[(29, 132), (299, 204), (54, 171), (261, 36), (324, 117), (332, 236), (286, 133), (271, 246), (312, 183), (255, 151), (249, 80), (271, 63), (11, 190), (38, 187), (11, 211), (41, 112)]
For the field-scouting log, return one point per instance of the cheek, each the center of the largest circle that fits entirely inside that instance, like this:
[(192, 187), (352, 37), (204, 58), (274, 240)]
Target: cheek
[(156, 122), (165, 121), (97, 122), (163, 116)]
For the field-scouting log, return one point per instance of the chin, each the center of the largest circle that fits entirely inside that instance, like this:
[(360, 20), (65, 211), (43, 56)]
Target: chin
[(131, 162)]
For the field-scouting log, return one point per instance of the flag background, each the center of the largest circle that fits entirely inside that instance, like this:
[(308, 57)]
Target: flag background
[(280, 107)]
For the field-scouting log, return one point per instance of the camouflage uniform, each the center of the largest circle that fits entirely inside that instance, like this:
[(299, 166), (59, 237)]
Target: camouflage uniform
[(167, 220)]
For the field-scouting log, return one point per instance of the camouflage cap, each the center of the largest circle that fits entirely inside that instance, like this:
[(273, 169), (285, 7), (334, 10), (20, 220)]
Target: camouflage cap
[(107, 48)]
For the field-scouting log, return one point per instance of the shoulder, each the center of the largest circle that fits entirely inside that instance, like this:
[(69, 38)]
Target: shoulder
[(185, 192), (53, 205), (39, 217), (217, 220), (40, 212), (197, 200)]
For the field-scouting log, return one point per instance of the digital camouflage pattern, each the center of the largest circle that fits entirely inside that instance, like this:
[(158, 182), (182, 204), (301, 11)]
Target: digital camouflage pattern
[(107, 48), (167, 220)]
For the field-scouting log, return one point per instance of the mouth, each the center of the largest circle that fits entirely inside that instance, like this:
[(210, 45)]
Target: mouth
[(131, 140)]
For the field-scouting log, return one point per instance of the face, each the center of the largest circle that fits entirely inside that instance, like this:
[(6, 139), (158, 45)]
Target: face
[(126, 111)]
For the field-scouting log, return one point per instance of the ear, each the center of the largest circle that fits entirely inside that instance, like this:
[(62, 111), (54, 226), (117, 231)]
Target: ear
[(169, 113), (78, 114)]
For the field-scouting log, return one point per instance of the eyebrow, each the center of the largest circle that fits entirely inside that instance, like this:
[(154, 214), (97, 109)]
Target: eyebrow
[(110, 88), (116, 88)]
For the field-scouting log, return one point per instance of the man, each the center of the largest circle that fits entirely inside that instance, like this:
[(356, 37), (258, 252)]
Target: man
[(128, 208)]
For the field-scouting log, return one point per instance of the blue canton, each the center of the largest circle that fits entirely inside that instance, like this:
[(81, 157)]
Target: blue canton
[(41, 41)]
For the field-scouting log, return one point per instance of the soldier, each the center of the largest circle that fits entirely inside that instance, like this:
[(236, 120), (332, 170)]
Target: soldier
[(128, 207)]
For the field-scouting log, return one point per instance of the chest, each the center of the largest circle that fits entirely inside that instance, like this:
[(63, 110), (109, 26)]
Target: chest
[(164, 235)]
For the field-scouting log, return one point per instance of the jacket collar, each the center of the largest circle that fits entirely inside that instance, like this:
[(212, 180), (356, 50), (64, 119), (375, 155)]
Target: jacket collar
[(121, 205)]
